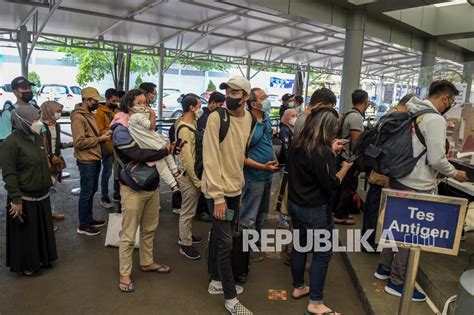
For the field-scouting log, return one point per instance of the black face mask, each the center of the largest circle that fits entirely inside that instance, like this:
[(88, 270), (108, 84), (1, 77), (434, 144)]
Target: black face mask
[(93, 107), (113, 106), (26, 96), (232, 103), (446, 109)]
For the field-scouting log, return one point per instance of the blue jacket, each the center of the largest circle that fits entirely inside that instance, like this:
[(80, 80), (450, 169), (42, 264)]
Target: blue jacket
[(286, 136)]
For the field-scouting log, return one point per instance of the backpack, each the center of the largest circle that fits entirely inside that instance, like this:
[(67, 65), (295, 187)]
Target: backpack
[(7, 107), (223, 129), (388, 148)]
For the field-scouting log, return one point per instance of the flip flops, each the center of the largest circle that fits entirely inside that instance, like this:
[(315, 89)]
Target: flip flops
[(161, 269), (130, 287)]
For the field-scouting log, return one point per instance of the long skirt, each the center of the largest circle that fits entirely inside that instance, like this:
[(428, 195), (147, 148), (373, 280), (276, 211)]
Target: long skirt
[(31, 244)]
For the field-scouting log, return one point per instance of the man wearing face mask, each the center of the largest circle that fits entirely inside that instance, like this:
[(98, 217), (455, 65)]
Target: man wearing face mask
[(423, 178), (150, 92), (260, 165), (288, 101), (222, 183), (104, 115), (22, 89), (88, 153), (189, 183)]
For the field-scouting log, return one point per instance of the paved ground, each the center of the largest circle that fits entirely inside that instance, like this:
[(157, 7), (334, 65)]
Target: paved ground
[(84, 280)]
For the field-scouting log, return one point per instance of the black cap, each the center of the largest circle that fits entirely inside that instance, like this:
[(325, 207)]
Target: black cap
[(286, 97), (21, 82)]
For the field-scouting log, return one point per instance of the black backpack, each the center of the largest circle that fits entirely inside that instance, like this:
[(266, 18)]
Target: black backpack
[(388, 149), (223, 129)]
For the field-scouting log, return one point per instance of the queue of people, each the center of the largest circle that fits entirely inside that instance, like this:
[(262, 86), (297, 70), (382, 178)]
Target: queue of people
[(222, 164)]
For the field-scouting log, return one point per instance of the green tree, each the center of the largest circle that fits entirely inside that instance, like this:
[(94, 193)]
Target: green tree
[(211, 87), (35, 78), (138, 81)]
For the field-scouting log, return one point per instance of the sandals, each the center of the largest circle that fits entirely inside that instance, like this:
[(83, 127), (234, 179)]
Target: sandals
[(331, 312), (58, 216), (161, 269), (300, 296), (130, 287)]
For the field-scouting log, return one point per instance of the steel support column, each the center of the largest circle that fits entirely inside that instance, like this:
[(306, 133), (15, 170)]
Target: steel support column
[(127, 71), (23, 38), (249, 65), (428, 59), (353, 46), (161, 76), (306, 87)]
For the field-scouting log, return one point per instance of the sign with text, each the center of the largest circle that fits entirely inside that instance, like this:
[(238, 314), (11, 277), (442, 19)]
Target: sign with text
[(432, 222)]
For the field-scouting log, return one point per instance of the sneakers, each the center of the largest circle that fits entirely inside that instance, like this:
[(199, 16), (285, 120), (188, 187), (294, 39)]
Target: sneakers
[(216, 290), (189, 252), (197, 239), (381, 273), (397, 290), (238, 309), (177, 211), (97, 223), (88, 230), (106, 203)]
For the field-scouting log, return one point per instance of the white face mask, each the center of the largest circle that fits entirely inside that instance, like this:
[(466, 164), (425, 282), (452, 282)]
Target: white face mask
[(291, 104), (57, 116), (138, 109), (199, 113), (37, 126), (292, 121)]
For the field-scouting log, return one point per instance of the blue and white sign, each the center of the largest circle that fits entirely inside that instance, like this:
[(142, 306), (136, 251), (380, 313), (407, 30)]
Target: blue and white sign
[(432, 222)]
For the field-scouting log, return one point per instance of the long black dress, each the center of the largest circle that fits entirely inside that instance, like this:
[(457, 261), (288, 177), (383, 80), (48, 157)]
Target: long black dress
[(30, 244)]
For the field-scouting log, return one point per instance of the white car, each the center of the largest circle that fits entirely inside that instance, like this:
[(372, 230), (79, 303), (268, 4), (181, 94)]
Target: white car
[(68, 96), (7, 98), (172, 105)]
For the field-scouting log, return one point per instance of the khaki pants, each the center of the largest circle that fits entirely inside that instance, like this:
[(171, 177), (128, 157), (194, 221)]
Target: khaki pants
[(188, 209), (139, 208)]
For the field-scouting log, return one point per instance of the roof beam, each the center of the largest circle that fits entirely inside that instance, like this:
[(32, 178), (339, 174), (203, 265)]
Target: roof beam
[(131, 15), (195, 26)]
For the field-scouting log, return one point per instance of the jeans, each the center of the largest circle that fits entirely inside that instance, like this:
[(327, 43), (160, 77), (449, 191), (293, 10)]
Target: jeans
[(255, 203), (305, 219), (107, 166), (220, 251), (89, 183)]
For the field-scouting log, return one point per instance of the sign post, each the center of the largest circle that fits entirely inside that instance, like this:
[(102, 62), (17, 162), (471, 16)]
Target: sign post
[(419, 222)]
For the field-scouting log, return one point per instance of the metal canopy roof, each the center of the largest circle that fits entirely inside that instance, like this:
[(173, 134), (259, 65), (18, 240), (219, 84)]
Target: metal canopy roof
[(198, 29)]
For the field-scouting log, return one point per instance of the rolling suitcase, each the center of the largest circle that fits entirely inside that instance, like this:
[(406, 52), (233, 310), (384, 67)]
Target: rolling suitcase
[(240, 259)]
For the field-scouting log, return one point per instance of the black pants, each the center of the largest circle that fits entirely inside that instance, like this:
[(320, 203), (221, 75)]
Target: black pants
[(343, 201), (371, 210), (202, 205), (220, 248)]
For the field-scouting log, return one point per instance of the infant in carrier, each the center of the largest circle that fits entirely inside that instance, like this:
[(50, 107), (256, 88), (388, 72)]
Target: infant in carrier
[(143, 132)]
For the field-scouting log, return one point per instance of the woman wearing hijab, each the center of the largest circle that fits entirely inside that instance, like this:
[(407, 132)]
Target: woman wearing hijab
[(285, 135), (30, 237), (51, 113)]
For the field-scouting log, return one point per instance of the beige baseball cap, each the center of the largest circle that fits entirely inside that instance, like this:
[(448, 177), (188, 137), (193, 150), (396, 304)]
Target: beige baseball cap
[(237, 83), (90, 92)]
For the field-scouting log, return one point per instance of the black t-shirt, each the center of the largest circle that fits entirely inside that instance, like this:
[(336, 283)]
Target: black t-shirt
[(312, 181)]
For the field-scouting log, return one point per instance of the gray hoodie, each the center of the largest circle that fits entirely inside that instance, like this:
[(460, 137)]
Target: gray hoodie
[(433, 128)]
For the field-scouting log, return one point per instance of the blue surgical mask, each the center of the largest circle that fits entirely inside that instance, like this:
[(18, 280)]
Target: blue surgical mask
[(267, 106)]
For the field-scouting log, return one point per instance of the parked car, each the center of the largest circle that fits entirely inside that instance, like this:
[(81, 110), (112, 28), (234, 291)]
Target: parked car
[(68, 96), (172, 105), (7, 98)]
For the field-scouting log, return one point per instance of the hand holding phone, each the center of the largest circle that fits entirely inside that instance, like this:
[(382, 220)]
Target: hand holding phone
[(352, 158)]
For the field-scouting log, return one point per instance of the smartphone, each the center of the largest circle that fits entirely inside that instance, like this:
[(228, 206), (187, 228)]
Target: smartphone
[(352, 158), (229, 215), (344, 141)]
